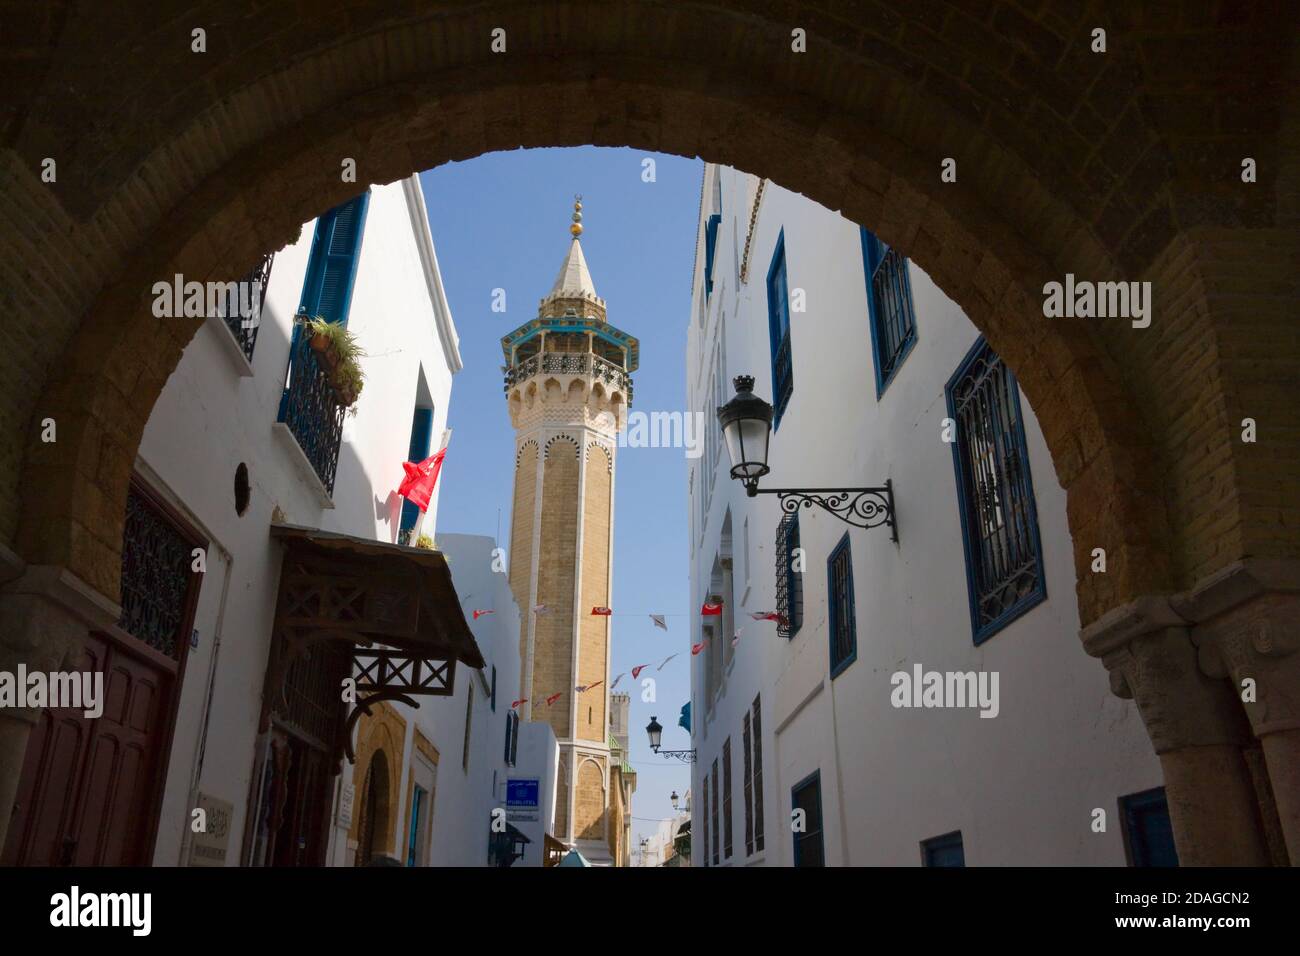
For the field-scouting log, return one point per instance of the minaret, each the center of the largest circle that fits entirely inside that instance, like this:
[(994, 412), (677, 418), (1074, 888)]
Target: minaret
[(568, 386)]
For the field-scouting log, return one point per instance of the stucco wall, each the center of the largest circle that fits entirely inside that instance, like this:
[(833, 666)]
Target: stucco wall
[(1020, 787)]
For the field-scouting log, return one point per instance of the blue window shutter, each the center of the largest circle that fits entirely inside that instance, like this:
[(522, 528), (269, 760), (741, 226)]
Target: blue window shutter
[(710, 244), (778, 321), (332, 269), (421, 434), (421, 438)]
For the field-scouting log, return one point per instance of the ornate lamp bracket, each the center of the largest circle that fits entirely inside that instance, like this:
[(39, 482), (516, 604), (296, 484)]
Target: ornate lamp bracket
[(859, 507)]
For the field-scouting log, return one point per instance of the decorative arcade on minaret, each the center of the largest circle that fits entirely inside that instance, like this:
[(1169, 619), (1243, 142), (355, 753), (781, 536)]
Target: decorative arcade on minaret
[(568, 385)]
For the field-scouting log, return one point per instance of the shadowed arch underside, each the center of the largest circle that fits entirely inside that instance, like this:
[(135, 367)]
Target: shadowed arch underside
[(1123, 165)]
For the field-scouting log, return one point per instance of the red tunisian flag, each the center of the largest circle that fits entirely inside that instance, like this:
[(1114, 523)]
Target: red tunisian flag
[(711, 610), (417, 486), (636, 671), (601, 611), (553, 698), (768, 616), (521, 700), (696, 648), (479, 613)]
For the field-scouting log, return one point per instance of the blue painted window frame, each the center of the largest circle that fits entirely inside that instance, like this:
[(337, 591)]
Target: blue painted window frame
[(874, 251), (965, 506), (418, 802), (933, 847), (778, 327), (710, 249), (321, 258), (418, 450), (1136, 810), (847, 613), (813, 779), (313, 281)]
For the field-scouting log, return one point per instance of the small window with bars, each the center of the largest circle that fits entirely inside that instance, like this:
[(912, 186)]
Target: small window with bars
[(726, 799), (1004, 558), (843, 618), (889, 302), (789, 577), (806, 801), (713, 813), (758, 775)]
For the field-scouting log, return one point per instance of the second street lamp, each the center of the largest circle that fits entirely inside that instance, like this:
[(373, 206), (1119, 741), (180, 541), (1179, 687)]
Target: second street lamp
[(746, 423)]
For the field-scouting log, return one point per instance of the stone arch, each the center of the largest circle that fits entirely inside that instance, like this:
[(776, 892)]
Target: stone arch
[(561, 439), (523, 450), (602, 447), (1068, 162), (865, 143), (574, 393), (376, 774), (589, 801)]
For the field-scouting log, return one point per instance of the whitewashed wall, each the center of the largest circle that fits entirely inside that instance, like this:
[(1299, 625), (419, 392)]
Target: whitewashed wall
[(1020, 787), (210, 418)]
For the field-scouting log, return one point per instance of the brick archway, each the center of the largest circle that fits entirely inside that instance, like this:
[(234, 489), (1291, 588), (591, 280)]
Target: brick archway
[(1122, 166)]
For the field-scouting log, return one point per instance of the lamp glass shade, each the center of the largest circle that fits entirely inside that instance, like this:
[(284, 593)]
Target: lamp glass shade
[(655, 732), (746, 423)]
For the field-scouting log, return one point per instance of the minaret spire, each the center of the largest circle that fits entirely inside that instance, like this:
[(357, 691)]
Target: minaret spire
[(576, 229)]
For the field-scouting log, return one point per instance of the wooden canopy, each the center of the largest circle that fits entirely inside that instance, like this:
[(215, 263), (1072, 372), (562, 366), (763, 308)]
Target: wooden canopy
[(371, 592)]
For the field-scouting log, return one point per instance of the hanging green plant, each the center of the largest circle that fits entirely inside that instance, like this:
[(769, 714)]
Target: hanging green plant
[(337, 349)]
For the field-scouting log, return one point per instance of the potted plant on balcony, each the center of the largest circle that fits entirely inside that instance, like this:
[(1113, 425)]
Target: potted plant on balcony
[(338, 352)]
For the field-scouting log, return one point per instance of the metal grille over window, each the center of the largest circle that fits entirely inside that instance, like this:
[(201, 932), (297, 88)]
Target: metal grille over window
[(891, 304), (242, 310), (789, 582), (1001, 523), (311, 691), (758, 775), (843, 624), (312, 411), (156, 576)]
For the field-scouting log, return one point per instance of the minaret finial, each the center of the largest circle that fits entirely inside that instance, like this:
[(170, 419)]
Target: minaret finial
[(576, 228)]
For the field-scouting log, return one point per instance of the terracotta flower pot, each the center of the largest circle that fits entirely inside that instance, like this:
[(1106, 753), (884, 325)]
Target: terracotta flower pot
[(324, 347)]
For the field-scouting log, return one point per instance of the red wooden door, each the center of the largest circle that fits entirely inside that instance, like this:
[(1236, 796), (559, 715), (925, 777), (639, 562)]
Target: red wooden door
[(87, 795), (91, 788)]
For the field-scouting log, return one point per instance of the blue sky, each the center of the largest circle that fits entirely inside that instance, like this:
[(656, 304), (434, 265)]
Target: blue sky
[(501, 221)]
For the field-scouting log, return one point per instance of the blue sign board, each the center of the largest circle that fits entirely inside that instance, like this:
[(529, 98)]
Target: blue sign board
[(522, 803)]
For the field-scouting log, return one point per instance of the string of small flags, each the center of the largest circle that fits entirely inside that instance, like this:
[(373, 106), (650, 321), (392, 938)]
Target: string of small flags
[(709, 609)]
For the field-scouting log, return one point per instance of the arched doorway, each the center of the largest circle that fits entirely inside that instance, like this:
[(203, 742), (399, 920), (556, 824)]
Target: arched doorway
[(1126, 165), (374, 822)]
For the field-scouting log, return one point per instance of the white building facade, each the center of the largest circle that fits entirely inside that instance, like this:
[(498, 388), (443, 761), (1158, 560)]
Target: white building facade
[(805, 754), (247, 459)]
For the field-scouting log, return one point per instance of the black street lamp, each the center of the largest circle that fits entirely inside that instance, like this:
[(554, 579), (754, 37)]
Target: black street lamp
[(746, 423), (674, 798), (655, 731)]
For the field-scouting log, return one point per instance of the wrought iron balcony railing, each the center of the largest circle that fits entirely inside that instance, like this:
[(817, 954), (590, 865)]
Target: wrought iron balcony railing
[(242, 311), (312, 411), (571, 363)]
